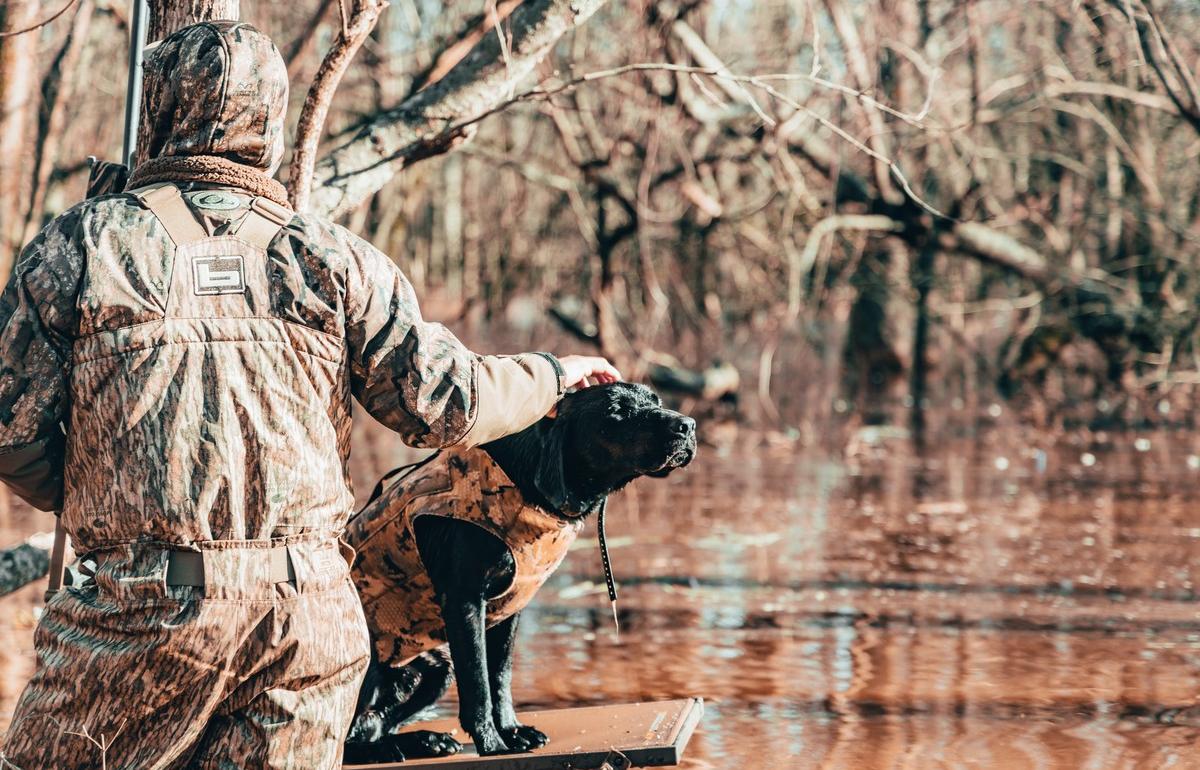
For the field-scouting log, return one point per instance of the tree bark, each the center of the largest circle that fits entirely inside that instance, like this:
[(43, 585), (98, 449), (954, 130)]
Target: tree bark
[(434, 120), (922, 281), (167, 16), (872, 367), (57, 89), (475, 29), (16, 100)]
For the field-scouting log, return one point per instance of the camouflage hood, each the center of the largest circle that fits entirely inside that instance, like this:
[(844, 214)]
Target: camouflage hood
[(216, 89)]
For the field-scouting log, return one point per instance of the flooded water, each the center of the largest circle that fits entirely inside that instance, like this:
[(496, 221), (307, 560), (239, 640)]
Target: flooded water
[(983, 604)]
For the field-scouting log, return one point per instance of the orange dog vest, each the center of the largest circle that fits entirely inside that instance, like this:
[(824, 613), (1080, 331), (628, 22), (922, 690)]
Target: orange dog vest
[(462, 484)]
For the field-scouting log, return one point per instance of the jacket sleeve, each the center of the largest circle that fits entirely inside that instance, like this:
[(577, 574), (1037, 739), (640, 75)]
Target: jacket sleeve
[(37, 322), (418, 379)]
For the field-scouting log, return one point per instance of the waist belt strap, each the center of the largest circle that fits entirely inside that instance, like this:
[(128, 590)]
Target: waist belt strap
[(186, 568)]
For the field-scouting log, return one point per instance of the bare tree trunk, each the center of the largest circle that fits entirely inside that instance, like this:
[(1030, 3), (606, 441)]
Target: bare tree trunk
[(166, 16), (922, 280), (872, 365), (16, 100), (57, 89), (434, 120)]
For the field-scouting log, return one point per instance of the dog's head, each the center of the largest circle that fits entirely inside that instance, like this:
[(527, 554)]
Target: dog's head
[(606, 436)]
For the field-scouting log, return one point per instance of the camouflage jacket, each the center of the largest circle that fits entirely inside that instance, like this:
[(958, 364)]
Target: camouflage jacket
[(151, 412), (150, 407), (459, 483)]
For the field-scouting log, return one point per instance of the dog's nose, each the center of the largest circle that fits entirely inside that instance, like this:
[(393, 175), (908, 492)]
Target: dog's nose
[(684, 426)]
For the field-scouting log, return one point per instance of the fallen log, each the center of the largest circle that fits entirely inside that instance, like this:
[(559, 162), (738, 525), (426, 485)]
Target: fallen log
[(719, 382), (21, 566)]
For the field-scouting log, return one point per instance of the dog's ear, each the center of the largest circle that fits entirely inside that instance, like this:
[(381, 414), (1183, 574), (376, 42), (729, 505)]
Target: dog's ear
[(551, 475)]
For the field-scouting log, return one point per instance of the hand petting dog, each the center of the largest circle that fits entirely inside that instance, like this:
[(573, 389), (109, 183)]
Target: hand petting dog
[(583, 372)]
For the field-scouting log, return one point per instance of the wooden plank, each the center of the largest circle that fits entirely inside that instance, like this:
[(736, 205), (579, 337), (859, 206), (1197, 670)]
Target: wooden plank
[(627, 735)]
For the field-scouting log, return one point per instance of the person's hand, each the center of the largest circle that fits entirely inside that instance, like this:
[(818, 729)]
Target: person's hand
[(585, 371)]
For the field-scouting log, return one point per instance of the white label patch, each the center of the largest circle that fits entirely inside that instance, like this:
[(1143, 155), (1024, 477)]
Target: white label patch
[(219, 275)]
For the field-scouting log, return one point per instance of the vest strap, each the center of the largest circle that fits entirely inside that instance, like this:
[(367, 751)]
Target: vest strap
[(263, 222), (167, 204), (186, 568)]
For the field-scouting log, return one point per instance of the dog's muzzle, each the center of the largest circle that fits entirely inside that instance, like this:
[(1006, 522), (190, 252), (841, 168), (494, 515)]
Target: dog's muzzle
[(682, 449)]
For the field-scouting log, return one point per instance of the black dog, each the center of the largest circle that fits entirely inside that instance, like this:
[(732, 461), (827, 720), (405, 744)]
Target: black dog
[(563, 468)]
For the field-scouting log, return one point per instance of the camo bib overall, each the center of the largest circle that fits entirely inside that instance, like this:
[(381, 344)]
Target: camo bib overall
[(212, 653)]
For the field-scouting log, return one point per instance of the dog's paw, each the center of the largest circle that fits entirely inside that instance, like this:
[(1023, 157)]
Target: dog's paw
[(489, 742), (366, 728), (524, 738), (422, 744), (372, 753)]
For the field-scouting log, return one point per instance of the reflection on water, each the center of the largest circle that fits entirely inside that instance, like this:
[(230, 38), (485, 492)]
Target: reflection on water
[(985, 604), (973, 607)]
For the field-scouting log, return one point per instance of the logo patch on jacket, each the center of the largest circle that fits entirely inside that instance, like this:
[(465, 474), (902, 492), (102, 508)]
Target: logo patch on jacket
[(215, 200), (219, 275)]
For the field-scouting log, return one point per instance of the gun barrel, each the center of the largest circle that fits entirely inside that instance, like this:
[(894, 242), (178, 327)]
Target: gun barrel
[(133, 91)]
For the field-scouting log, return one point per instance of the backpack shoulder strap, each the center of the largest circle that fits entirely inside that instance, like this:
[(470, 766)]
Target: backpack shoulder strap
[(165, 202), (263, 222)]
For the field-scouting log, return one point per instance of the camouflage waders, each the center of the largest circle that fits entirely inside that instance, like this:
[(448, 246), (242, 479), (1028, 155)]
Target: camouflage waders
[(245, 672), (281, 615)]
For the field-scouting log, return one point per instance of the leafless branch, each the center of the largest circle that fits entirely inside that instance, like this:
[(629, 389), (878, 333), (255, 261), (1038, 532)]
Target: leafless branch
[(435, 119), (355, 30), (801, 263), (303, 43), (1163, 56), (758, 81), (40, 24)]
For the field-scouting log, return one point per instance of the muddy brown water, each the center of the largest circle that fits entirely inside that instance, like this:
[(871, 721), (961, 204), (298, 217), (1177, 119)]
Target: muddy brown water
[(980, 604)]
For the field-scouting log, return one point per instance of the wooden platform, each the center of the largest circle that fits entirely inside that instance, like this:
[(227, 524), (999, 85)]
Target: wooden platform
[(628, 735)]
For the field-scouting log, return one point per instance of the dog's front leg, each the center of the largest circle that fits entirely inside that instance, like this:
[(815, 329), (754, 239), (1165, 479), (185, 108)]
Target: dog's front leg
[(464, 618), (500, 640)]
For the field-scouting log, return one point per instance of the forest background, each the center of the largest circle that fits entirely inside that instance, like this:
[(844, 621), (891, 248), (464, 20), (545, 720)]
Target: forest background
[(789, 214)]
